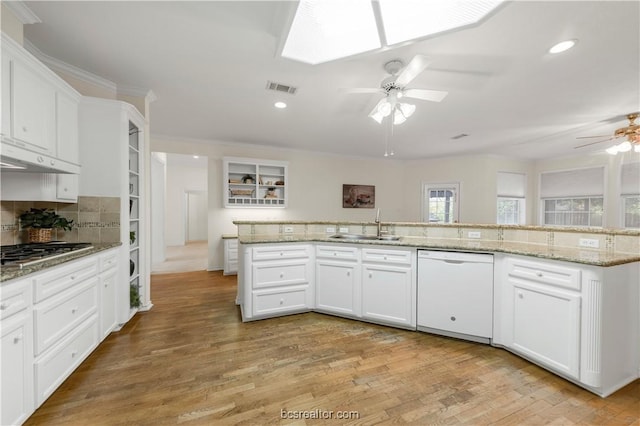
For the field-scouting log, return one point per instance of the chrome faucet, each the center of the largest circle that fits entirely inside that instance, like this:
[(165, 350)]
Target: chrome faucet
[(379, 234)]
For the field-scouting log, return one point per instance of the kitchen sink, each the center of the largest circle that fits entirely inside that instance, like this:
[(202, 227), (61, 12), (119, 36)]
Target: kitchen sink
[(365, 237)]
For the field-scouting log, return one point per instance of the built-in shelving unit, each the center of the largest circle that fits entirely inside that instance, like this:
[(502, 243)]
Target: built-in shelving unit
[(134, 218), (251, 182)]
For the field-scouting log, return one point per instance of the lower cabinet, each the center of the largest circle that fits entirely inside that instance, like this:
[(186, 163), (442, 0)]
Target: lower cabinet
[(230, 256), (338, 282), (50, 322), (578, 321), (389, 287), (280, 279), (16, 352)]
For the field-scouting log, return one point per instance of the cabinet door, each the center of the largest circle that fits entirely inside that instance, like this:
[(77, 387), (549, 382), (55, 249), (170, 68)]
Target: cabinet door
[(546, 326), (33, 110), (338, 287), (5, 131), (17, 369), (387, 294), (67, 128), (67, 187), (108, 319)]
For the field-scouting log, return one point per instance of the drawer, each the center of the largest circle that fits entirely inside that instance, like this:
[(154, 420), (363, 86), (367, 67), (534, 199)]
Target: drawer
[(280, 300), (14, 297), (232, 243), (332, 252), (232, 255), (387, 256), (56, 365), (58, 279), (281, 252), (57, 316), (545, 273), (280, 273), (109, 260)]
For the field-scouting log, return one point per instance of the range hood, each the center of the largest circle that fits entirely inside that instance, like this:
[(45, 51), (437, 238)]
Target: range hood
[(15, 158)]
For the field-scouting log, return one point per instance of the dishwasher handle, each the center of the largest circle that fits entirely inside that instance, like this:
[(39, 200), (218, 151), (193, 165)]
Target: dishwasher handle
[(455, 257)]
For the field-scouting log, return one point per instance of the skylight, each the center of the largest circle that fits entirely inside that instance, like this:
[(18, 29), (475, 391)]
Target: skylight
[(325, 30)]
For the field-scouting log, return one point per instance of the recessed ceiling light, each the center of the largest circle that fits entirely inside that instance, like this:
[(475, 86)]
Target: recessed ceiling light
[(280, 105), (563, 46)]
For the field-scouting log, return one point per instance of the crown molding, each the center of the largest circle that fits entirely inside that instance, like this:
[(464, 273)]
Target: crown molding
[(73, 71), (22, 12), (137, 92)]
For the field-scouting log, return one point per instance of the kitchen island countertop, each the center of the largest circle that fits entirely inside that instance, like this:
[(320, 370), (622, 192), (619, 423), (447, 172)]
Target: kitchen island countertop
[(569, 254)]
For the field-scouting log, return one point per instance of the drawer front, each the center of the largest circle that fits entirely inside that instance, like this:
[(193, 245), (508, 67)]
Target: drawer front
[(281, 252), (387, 256), (59, 315), (280, 273), (108, 260), (54, 281), (232, 243), (281, 300), (332, 252), (14, 298), (232, 255), (53, 368), (546, 273)]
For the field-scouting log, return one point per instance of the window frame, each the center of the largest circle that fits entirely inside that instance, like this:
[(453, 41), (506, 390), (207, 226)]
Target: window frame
[(521, 210), (623, 210), (544, 212), (448, 186)]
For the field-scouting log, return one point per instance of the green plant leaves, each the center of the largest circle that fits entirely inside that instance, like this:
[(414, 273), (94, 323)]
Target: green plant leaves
[(44, 218)]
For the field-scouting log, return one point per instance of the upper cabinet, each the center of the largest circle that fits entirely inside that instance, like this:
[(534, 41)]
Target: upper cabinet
[(250, 182), (39, 113)]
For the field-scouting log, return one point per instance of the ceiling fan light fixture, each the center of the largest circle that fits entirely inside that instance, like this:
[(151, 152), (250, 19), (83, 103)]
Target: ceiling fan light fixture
[(407, 109), (612, 150), (384, 109), (377, 116), (398, 118), (280, 105), (563, 46), (624, 146)]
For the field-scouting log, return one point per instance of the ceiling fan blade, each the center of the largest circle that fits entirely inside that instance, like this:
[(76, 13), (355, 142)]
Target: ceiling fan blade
[(592, 143), (362, 90), (591, 137), (411, 71), (425, 95)]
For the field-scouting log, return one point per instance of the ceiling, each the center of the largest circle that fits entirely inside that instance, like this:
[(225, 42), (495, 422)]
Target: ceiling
[(208, 63)]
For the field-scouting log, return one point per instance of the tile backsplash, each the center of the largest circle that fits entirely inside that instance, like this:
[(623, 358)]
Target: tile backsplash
[(95, 220)]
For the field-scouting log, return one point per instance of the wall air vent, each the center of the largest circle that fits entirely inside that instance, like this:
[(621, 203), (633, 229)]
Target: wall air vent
[(281, 88), (460, 136)]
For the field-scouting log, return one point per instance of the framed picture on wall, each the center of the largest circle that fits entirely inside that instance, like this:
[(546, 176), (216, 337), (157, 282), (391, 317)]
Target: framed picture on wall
[(358, 196)]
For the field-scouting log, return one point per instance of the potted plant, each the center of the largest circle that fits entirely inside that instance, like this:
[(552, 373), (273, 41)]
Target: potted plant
[(40, 222)]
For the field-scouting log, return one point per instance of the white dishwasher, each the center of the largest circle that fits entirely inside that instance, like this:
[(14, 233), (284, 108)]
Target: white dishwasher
[(455, 294)]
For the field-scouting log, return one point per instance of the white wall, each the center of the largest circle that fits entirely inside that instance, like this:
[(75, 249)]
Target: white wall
[(180, 179), (158, 206)]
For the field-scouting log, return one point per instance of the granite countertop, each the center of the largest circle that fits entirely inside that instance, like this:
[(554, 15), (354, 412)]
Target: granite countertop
[(10, 272), (568, 254)]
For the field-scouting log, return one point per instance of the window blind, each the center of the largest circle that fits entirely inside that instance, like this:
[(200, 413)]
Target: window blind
[(573, 183), (511, 184), (630, 179)]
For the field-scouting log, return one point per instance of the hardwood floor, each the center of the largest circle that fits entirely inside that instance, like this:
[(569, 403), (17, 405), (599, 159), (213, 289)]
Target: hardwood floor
[(191, 360)]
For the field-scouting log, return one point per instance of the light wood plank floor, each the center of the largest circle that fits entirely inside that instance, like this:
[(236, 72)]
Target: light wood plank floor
[(190, 360)]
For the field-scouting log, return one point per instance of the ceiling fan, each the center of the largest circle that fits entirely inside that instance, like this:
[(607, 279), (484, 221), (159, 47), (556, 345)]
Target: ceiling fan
[(395, 88), (630, 132)]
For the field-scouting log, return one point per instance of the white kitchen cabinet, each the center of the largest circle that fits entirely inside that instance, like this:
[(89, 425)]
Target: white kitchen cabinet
[(40, 112), (113, 144), (108, 292), (578, 321), (280, 281), (230, 256), (16, 349), (338, 282), (249, 182), (389, 286)]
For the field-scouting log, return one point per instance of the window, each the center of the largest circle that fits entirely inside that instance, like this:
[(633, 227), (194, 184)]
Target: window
[(573, 211), (573, 198), (511, 189), (631, 211), (630, 190), (510, 211), (440, 203)]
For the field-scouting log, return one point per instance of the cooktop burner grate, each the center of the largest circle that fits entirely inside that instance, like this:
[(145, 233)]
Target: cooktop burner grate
[(21, 255)]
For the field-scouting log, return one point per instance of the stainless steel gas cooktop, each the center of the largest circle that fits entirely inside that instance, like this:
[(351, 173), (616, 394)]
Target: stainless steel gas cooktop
[(21, 255)]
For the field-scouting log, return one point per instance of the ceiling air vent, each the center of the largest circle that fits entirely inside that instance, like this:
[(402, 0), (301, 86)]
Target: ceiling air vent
[(281, 87)]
